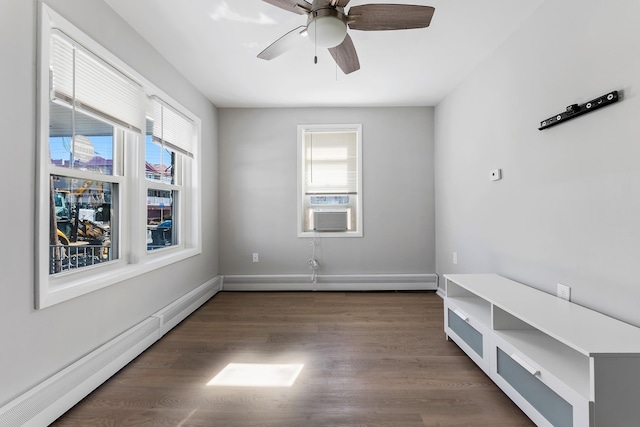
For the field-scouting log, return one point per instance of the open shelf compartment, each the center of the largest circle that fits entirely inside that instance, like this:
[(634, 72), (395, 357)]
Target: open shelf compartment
[(563, 362), (470, 304)]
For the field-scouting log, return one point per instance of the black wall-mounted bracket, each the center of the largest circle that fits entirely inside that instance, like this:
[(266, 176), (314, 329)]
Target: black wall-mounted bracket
[(576, 110)]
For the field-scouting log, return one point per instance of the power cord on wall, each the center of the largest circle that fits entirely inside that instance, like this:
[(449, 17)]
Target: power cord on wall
[(313, 262)]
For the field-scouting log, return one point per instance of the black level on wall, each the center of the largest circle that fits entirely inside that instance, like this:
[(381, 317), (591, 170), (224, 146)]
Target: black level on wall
[(576, 110)]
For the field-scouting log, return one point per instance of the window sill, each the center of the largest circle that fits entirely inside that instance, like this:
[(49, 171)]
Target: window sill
[(330, 234), (56, 289)]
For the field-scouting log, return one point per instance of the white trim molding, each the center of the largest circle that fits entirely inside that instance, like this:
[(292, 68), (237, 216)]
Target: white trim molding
[(181, 308), (342, 282), (48, 400)]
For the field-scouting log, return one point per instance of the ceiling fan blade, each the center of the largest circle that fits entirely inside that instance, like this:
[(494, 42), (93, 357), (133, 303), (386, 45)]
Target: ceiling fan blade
[(345, 56), (296, 6), (283, 44), (379, 17), (339, 3)]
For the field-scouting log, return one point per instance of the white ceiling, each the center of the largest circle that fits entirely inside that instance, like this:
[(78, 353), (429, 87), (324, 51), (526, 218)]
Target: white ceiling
[(214, 44)]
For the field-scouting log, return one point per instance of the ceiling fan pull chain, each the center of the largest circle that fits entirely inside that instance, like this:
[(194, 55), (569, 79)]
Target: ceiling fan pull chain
[(315, 47)]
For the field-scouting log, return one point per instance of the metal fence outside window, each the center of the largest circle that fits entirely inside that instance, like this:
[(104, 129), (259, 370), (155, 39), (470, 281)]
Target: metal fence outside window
[(70, 257)]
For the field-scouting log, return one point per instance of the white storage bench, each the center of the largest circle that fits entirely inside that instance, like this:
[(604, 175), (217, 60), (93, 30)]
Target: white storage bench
[(561, 363)]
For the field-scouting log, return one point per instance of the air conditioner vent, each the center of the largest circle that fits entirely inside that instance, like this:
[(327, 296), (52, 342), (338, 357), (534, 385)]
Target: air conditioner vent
[(330, 219)]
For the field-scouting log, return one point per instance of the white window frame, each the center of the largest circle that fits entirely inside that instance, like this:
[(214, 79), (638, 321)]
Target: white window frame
[(183, 156), (358, 232), (131, 213)]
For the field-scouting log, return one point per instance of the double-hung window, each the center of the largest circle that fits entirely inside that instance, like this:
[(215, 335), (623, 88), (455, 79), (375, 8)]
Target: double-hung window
[(330, 180), (168, 152), (117, 169)]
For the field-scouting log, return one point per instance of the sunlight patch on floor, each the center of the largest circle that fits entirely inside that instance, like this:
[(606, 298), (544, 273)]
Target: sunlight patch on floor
[(257, 375)]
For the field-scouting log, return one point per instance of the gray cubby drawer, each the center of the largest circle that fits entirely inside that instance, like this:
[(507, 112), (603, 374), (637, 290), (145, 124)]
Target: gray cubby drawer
[(458, 323), (523, 379)]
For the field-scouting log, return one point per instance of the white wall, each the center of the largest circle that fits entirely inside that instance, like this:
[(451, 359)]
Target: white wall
[(568, 207), (258, 199), (36, 344)]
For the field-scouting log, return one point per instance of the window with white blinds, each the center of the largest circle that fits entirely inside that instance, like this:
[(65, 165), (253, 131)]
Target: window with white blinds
[(331, 162), (86, 83), (118, 171), (168, 152), (330, 180), (171, 129)]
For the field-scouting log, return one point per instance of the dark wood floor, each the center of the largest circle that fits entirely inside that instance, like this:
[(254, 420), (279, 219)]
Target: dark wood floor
[(370, 359)]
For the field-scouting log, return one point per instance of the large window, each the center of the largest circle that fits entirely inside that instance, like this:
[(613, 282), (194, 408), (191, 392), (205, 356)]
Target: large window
[(330, 180), (117, 169)]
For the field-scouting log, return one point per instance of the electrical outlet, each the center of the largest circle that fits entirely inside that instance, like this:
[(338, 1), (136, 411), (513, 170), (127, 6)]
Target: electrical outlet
[(256, 258), (495, 174), (563, 291), (455, 258)]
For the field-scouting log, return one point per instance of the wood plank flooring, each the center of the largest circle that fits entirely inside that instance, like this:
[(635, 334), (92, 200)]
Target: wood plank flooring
[(370, 359)]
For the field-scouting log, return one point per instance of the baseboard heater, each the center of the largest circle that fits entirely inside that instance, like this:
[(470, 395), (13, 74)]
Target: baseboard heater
[(332, 282), (47, 401), (330, 220)]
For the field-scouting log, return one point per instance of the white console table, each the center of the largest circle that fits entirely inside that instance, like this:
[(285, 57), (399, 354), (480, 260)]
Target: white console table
[(561, 363)]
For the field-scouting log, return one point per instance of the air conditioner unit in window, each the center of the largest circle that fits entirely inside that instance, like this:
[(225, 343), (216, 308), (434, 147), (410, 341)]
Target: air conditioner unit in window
[(330, 219)]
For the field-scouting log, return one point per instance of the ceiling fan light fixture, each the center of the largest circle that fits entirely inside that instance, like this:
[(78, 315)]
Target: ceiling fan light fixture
[(327, 27)]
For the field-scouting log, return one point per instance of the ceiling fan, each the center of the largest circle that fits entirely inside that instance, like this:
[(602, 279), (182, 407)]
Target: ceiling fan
[(327, 26)]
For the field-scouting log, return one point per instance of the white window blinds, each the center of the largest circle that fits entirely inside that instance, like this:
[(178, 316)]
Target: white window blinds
[(331, 164), (83, 81), (171, 128)]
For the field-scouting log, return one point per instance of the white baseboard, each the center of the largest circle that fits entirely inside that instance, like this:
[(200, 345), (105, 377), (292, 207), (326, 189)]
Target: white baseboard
[(47, 401), (178, 310), (349, 282)]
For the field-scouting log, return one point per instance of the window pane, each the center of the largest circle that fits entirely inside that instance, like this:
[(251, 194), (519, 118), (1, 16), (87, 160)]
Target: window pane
[(92, 147), (329, 200), (330, 162), (159, 160), (81, 222), (160, 230)]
